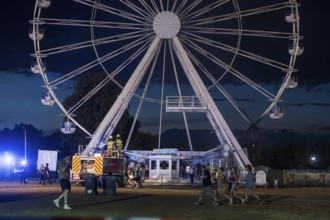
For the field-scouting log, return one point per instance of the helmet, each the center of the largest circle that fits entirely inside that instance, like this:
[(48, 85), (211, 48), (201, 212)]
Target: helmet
[(118, 135)]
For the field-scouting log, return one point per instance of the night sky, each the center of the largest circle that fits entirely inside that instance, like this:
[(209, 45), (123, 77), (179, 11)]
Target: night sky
[(306, 107)]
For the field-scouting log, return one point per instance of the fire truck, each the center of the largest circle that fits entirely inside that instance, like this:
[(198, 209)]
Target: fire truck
[(98, 166)]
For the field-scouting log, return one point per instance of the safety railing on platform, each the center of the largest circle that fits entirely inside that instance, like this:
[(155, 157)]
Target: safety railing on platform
[(185, 103)]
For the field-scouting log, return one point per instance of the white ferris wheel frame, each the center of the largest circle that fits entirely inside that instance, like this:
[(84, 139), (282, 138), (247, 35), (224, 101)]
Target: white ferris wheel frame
[(166, 26)]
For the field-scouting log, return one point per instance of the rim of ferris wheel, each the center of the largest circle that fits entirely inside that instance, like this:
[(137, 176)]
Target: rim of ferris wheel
[(37, 21), (207, 37)]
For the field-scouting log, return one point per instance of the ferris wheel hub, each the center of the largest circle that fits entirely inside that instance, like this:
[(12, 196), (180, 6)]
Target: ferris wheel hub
[(166, 25)]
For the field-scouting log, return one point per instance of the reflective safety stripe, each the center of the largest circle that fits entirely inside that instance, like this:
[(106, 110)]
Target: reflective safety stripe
[(98, 167), (76, 164)]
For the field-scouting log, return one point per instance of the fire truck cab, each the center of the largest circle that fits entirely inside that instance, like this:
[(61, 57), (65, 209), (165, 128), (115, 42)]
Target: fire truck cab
[(98, 166)]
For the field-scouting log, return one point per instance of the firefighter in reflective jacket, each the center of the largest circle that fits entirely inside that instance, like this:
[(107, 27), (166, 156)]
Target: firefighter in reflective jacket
[(119, 145), (111, 146)]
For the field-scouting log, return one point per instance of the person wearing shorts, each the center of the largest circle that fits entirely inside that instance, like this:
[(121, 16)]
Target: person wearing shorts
[(250, 186), (64, 179)]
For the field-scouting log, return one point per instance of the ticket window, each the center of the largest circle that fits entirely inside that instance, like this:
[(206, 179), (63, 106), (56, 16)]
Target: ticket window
[(164, 165), (153, 164)]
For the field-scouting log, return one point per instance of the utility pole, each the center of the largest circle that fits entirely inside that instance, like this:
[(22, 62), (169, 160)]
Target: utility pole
[(24, 144)]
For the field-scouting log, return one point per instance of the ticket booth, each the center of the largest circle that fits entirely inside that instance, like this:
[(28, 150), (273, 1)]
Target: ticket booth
[(163, 167)]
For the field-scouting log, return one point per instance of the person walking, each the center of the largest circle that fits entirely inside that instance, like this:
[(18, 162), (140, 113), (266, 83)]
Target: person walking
[(64, 179), (207, 187), (41, 173), (222, 188), (47, 175), (24, 175), (137, 176), (250, 185), (233, 186), (192, 174)]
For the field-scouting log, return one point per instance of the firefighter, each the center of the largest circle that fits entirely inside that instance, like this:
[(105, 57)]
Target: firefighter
[(110, 146), (119, 145)]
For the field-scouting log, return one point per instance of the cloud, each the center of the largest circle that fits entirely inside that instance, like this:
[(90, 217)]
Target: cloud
[(310, 104), (325, 128)]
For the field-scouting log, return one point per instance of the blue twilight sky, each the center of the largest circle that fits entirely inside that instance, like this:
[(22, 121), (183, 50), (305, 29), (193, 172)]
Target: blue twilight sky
[(306, 107)]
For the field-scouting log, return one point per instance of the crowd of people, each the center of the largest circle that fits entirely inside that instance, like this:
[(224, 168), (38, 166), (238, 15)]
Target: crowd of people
[(226, 186)]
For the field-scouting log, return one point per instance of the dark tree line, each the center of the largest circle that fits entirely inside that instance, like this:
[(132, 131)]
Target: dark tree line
[(291, 155)]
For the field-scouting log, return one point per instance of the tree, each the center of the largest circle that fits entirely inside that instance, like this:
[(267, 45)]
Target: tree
[(13, 140), (94, 110)]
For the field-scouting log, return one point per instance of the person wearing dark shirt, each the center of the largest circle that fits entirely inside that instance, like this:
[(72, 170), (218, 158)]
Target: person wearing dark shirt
[(64, 178), (206, 188)]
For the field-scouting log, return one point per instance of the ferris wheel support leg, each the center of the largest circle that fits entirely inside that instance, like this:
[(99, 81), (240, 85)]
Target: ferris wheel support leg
[(110, 121), (216, 119)]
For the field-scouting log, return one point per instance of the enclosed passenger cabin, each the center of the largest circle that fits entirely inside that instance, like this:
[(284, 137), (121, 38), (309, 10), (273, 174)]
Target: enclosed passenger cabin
[(47, 99), (292, 82), (296, 49), (291, 17), (37, 34), (44, 3), (35, 67), (68, 127), (277, 112)]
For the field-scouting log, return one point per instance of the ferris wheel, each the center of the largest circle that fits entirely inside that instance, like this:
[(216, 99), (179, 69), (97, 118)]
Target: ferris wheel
[(182, 56)]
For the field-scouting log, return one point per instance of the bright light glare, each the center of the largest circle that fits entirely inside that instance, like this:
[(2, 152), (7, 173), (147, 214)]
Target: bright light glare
[(313, 158), (23, 162), (9, 159)]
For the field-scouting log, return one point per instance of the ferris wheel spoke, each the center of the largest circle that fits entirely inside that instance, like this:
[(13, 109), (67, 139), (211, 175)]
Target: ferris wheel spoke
[(181, 6), (137, 9), (235, 15), (115, 11), (237, 32), (147, 7), (188, 9), (215, 83), (233, 71), (142, 98), (180, 95), (110, 77), (94, 63), (95, 24), (192, 15), (94, 42), (239, 52)]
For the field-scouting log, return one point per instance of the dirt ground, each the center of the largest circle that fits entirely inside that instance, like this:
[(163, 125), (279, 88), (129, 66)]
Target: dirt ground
[(34, 201)]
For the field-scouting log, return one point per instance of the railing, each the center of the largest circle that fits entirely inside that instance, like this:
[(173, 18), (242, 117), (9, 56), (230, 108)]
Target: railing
[(185, 103)]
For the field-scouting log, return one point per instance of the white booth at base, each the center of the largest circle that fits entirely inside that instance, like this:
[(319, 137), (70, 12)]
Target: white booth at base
[(164, 167)]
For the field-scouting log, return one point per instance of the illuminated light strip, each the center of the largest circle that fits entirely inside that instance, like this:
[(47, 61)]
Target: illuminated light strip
[(98, 165), (76, 165)]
